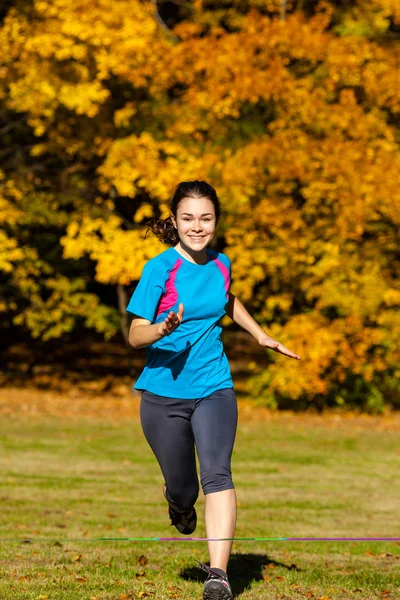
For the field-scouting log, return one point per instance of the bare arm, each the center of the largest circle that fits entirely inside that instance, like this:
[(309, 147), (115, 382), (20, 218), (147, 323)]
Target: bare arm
[(237, 312), (142, 333)]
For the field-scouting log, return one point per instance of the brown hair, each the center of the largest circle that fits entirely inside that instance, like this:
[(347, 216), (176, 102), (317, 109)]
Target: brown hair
[(164, 228)]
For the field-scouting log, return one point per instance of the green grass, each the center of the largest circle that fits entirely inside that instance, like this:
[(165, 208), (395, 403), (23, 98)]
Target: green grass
[(67, 480)]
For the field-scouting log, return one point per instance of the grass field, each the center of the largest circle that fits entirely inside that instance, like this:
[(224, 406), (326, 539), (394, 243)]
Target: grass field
[(73, 469)]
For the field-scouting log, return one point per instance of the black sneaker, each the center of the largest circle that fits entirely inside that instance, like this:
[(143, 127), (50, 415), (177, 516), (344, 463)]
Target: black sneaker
[(184, 522), (216, 586)]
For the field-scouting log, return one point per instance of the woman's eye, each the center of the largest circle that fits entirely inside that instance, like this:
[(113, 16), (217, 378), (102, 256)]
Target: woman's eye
[(189, 219)]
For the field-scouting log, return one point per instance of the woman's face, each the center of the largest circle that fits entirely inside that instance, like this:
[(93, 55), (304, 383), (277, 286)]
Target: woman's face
[(196, 222)]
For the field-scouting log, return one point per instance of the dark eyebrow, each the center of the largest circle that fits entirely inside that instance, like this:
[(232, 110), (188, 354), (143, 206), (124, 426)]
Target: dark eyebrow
[(203, 215)]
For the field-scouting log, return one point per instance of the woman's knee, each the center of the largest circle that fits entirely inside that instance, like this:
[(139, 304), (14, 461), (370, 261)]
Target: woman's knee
[(182, 498), (216, 479)]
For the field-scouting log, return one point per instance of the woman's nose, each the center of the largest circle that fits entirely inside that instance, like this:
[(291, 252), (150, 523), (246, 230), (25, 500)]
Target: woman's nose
[(197, 227)]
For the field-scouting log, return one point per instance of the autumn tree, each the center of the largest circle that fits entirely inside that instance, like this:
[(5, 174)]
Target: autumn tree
[(293, 115)]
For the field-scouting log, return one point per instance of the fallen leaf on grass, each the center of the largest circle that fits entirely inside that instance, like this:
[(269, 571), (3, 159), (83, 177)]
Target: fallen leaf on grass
[(324, 598), (280, 578), (145, 594), (77, 558), (140, 574), (81, 579), (266, 578), (142, 560)]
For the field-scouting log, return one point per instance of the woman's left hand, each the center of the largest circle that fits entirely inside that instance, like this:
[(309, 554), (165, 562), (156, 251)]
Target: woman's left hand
[(268, 342)]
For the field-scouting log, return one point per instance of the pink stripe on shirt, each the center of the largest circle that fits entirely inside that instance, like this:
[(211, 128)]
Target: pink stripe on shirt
[(170, 296), (225, 273)]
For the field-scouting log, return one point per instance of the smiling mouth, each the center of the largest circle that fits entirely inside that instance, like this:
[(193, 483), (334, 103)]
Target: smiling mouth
[(196, 238)]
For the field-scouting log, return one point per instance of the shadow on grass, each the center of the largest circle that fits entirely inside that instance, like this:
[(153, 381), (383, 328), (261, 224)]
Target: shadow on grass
[(243, 569)]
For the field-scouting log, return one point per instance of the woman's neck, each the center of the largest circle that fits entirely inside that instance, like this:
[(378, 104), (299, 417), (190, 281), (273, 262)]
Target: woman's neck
[(200, 258)]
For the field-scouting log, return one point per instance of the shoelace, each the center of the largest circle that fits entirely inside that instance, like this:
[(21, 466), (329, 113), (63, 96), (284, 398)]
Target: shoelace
[(210, 571)]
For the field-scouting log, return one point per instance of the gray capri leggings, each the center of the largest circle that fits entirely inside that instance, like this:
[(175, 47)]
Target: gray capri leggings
[(174, 427)]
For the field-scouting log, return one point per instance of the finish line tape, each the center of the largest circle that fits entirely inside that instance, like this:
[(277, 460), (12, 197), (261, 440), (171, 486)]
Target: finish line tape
[(205, 539)]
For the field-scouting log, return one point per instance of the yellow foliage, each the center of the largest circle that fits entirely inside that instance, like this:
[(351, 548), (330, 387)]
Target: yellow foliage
[(9, 252), (119, 255), (294, 121)]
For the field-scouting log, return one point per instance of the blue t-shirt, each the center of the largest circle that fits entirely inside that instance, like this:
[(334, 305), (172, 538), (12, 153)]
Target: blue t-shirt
[(190, 362)]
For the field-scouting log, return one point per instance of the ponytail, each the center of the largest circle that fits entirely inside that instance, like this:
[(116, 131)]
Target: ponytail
[(164, 230)]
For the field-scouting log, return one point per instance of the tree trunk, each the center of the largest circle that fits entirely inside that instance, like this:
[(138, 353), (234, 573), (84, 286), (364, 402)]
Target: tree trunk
[(122, 304), (283, 10)]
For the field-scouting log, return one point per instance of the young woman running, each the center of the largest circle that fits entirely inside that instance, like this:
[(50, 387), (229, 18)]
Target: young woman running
[(188, 399)]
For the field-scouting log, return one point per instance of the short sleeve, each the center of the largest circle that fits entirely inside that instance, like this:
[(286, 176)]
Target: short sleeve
[(146, 296)]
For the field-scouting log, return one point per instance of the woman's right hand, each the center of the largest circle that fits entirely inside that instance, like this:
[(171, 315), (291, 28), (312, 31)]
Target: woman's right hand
[(172, 321)]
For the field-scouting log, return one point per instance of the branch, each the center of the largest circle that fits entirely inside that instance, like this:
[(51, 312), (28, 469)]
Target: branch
[(162, 23)]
